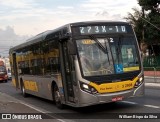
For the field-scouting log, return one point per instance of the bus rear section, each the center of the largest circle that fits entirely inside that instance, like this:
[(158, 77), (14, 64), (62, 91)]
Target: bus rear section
[(3, 72)]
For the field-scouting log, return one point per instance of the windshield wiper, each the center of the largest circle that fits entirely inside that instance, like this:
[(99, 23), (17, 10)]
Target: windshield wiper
[(98, 43), (118, 49)]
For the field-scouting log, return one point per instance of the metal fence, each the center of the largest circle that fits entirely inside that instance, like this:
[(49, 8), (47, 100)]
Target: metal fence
[(152, 74), (151, 61), (151, 66)]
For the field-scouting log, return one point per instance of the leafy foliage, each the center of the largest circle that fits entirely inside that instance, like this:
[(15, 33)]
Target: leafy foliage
[(149, 23), (152, 29), (136, 21), (150, 4)]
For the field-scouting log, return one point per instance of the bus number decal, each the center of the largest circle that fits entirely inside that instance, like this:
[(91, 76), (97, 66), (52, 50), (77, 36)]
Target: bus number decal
[(97, 29), (117, 29), (89, 29), (103, 29), (128, 85), (82, 29), (123, 28), (111, 39)]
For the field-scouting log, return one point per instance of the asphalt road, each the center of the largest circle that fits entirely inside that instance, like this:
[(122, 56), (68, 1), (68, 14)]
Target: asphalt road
[(148, 104)]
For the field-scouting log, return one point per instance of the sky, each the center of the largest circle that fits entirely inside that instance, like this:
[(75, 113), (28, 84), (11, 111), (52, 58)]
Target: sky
[(21, 19)]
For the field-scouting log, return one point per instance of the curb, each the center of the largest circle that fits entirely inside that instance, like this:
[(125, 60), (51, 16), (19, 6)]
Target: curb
[(152, 85), (7, 98), (151, 77)]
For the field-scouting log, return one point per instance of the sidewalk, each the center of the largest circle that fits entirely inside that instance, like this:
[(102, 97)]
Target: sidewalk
[(152, 73), (13, 110), (9, 104), (152, 81)]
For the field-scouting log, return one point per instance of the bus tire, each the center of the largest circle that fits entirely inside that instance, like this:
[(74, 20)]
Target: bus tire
[(57, 98), (5, 81), (23, 90)]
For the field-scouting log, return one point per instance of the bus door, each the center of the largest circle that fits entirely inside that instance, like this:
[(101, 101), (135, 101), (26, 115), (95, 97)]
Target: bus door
[(15, 71), (66, 72)]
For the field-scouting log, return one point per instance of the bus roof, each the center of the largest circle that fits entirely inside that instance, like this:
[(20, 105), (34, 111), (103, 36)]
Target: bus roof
[(97, 22), (42, 36)]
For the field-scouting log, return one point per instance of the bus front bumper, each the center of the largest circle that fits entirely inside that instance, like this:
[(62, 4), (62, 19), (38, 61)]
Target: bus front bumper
[(87, 99)]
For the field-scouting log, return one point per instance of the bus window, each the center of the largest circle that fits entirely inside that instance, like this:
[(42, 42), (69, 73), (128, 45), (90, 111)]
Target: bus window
[(94, 61), (125, 54)]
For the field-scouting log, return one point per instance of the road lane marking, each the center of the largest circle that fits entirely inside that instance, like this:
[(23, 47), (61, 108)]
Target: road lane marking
[(134, 103), (42, 111), (152, 84), (54, 116), (129, 102), (32, 107), (152, 106)]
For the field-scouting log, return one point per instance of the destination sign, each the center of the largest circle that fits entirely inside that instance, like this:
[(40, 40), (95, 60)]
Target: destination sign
[(102, 29)]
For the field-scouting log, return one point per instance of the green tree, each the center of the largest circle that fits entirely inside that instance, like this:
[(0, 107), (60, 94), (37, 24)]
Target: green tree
[(146, 22), (152, 20), (136, 21)]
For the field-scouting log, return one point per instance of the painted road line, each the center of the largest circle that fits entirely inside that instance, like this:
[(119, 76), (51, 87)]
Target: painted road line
[(152, 106), (134, 103), (14, 100), (152, 84), (42, 111)]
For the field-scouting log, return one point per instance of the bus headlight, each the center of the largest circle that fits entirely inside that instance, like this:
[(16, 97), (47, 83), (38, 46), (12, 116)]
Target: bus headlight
[(140, 79), (139, 82), (87, 88)]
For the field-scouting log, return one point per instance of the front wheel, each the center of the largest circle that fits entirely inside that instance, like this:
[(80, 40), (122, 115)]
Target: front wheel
[(57, 98)]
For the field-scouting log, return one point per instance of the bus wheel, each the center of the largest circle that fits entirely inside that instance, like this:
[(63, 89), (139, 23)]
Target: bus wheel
[(57, 98), (23, 91), (5, 81)]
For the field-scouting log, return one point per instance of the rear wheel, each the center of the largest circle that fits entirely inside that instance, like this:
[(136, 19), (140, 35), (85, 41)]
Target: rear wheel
[(5, 81), (57, 98), (23, 90)]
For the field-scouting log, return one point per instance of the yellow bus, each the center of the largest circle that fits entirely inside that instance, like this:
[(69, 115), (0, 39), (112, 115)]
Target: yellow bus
[(80, 64)]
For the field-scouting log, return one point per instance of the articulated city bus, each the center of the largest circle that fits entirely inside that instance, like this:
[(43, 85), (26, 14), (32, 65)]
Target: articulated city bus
[(80, 64)]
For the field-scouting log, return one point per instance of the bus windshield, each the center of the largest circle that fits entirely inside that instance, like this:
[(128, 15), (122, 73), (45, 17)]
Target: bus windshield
[(121, 55), (2, 69)]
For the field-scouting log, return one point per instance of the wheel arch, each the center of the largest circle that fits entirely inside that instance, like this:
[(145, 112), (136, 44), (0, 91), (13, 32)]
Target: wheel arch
[(52, 88), (21, 83)]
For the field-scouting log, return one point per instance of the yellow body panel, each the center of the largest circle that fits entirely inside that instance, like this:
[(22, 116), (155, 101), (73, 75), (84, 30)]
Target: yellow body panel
[(114, 87), (31, 85), (13, 82), (130, 69)]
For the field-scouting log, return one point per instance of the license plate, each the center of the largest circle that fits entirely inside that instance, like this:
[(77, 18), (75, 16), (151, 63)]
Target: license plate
[(119, 98)]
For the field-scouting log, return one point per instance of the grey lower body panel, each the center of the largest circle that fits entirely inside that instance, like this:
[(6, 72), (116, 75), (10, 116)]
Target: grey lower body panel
[(86, 99)]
